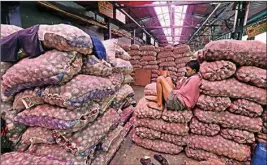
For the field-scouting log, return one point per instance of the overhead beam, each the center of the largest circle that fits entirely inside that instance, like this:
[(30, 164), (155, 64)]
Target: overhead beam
[(162, 5), (130, 17), (204, 22), (163, 27)]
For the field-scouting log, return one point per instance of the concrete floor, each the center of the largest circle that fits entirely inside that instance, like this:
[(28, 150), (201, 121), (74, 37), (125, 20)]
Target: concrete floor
[(130, 154)]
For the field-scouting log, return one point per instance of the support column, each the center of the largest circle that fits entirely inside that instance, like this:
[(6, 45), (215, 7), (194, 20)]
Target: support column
[(148, 41), (240, 19), (109, 29), (133, 37)]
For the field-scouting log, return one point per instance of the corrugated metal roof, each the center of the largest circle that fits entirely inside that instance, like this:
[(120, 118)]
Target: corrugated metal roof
[(256, 7)]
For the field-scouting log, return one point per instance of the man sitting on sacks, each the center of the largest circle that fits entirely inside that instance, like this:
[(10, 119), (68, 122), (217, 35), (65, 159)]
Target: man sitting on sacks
[(184, 95)]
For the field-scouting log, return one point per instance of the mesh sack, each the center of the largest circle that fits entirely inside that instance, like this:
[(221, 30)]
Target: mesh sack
[(135, 47), (8, 114), (65, 38), (144, 63), (181, 60), (120, 53), (148, 58), (153, 62), (209, 103), (183, 55), (246, 108), (147, 133), (218, 70), (143, 111), (174, 69), (135, 61), (220, 146), (199, 154), (55, 151), (199, 128), (261, 137), (162, 126), (28, 159), (167, 64), (250, 53), (182, 65), (234, 89), (90, 136), (157, 145), (178, 140), (128, 79), (126, 114), (6, 30), (9, 29), (110, 46), (121, 96), (78, 91), (177, 116), (238, 136), (150, 89), (170, 59), (126, 47), (148, 53), (34, 135), (205, 162), (134, 53), (161, 60), (52, 117), (151, 67), (27, 99), (53, 67), (165, 54), (181, 49), (229, 120), (137, 66), (4, 67), (102, 157), (252, 75), (123, 66), (202, 155), (14, 134), (93, 66), (111, 137), (147, 47), (168, 48)]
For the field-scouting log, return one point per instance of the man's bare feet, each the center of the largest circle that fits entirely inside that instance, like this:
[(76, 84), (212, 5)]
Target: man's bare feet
[(154, 105), (151, 98)]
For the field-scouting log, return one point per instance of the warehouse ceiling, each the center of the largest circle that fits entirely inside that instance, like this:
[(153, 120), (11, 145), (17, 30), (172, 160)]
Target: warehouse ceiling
[(172, 22)]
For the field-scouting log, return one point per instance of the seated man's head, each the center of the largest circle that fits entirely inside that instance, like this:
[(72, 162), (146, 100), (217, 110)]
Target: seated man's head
[(192, 67)]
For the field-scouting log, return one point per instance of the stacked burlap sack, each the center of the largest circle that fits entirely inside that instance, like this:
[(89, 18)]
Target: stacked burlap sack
[(166, 60), (182, 54), (170, 58), (162, 131), (228, 116), (143, 57), (67, 106)]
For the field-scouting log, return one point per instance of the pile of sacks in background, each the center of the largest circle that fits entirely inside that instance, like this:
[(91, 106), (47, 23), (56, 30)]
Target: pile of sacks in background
[(66, 106), (229, 117), (171, 58), (143, 57), (162, 131)]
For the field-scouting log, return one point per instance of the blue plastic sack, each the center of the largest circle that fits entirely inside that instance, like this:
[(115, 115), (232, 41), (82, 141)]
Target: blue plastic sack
[(99, 50), (259, 156)]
